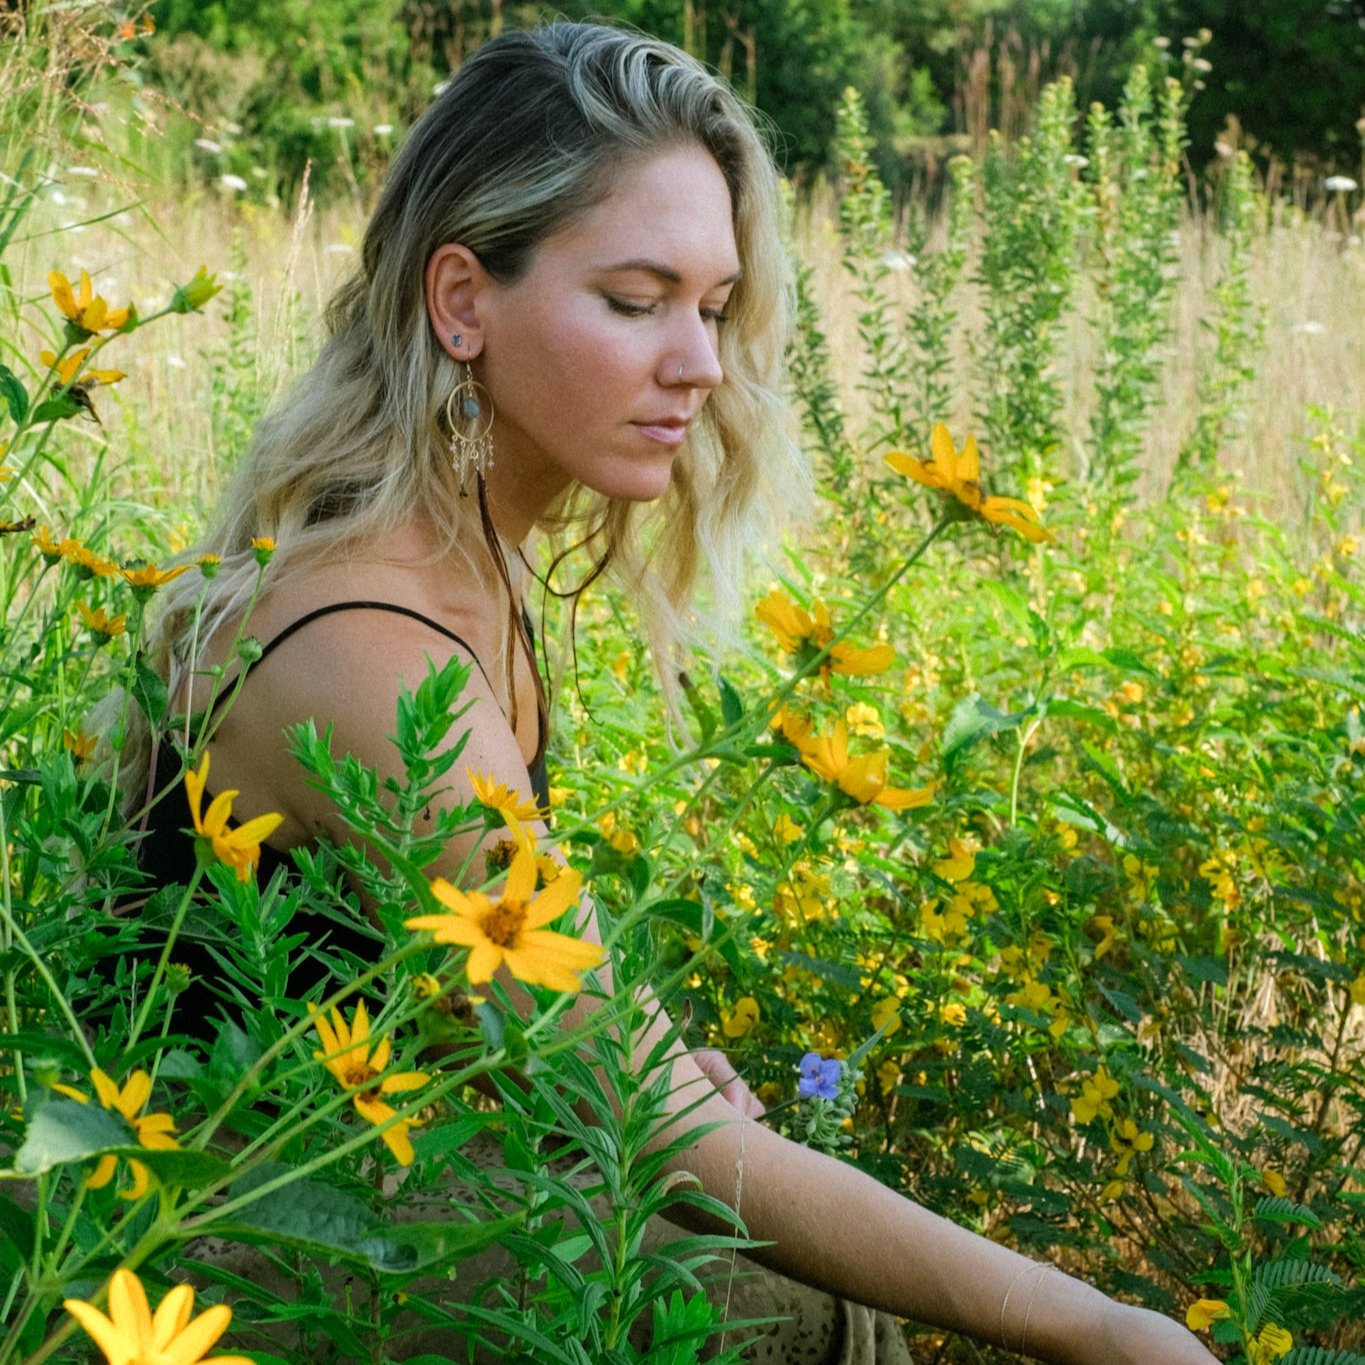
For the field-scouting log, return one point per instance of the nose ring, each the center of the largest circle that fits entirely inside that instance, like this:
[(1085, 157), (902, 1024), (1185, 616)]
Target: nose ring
[(680, 370)]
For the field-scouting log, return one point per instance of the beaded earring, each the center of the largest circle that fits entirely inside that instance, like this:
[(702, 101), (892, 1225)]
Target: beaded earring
[(469, 420)]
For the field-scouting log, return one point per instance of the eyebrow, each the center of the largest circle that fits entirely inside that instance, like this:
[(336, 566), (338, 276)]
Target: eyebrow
[(663, 272)]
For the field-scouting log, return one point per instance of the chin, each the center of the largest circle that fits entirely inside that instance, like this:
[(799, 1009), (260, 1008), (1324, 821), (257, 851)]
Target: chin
[(640, 483)]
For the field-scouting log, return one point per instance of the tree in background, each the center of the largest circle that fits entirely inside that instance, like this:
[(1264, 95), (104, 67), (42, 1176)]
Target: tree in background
[(286, 76)]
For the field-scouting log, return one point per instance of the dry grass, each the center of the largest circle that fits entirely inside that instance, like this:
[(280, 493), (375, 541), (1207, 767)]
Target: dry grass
[(1309, 278)]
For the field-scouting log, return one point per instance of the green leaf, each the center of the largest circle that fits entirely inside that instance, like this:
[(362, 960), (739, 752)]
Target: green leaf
[(184, 1168), (731, 706), (14, 394), (1129, 662), (1205, 968), (66, 1130), (441, 1243), (1012, 604), (304, 1213), (54, 410), (701, 712), (16, 1227), (149, 690), (1061, 708), (316, 1218), (974, 719), (1107, 769), (1274, 1209), (1321, 1355)]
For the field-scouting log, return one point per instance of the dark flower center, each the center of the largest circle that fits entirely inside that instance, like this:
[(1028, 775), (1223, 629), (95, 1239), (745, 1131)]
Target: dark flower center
[(504, 922)]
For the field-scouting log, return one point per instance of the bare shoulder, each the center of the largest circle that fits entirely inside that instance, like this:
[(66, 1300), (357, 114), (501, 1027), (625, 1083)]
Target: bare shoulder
[(345, 670)]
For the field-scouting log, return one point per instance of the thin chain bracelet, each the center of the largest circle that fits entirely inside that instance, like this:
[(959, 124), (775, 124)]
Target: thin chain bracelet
[(1028, 1312), (1004, 1303)]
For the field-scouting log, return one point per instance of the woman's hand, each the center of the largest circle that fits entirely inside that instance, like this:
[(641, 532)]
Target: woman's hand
[(715, 1066), (1137, 1336)]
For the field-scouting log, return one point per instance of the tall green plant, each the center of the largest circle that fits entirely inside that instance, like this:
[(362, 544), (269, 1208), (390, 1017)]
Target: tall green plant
[(1031, 215), (930, 321), (866, 234), (1237, 325), (1135, 177)]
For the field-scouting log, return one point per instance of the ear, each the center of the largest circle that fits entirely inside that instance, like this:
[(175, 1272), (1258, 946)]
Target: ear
[(455, 283)]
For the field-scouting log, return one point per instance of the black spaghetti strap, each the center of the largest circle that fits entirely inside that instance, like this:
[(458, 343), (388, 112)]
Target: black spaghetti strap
[(359, 605)]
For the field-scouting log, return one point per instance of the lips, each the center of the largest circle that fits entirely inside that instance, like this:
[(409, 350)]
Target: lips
[(669, 431)]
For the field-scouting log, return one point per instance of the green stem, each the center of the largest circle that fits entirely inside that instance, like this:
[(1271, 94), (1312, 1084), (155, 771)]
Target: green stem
[(149, 998), (1019, 766), (14, 934)]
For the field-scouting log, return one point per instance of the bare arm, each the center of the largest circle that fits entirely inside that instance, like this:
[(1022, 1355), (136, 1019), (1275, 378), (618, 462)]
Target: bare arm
[(830, 1225)]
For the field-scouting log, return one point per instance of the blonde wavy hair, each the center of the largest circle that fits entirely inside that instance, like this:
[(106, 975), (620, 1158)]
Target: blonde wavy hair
[(529, 135)]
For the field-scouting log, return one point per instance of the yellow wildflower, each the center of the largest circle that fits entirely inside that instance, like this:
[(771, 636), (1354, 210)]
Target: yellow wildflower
[(89, 312), (620, 838), (737, 1022), (960, 862), (1270, 1343), (889, 1076), (145, 579), (70, 366), (804, 634), (864, 719), (51, 550), (1202, 1313), (946, 928), (511, 929), (132, 1335), (346, 1054), (104, 628), (194, 295), (503, 801), (887, 1008), (864, 778), (1108, 934), (786, 829), (957, 474), (239, 848), (78, 744), (1127, 1139), (263, 547), (152, 1131), (1275, 1183), (85, 561), (1094, 1097)]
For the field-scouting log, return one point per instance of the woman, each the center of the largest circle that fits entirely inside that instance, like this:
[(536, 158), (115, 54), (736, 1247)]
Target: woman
[(568, 317)]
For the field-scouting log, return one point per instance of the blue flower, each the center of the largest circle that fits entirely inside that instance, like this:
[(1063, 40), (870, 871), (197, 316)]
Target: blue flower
[(819, 1076)]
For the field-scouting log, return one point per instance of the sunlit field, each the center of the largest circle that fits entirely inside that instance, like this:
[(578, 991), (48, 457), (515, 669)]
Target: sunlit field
[(1039, 829)]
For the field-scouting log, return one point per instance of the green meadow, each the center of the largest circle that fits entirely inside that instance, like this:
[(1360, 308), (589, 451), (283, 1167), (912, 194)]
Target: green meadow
[(1055, 838)]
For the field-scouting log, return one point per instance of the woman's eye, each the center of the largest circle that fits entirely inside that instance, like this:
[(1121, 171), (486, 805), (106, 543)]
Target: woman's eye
[(715, 315), (627, 308)]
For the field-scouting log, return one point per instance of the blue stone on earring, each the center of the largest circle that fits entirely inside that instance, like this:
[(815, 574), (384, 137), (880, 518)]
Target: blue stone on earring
[(471, 408)]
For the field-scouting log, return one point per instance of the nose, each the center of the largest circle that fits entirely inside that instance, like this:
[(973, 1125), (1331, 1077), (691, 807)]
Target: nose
[(693, 361)]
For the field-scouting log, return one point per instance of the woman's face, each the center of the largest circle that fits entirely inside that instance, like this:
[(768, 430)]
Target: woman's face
[(603, 353)]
